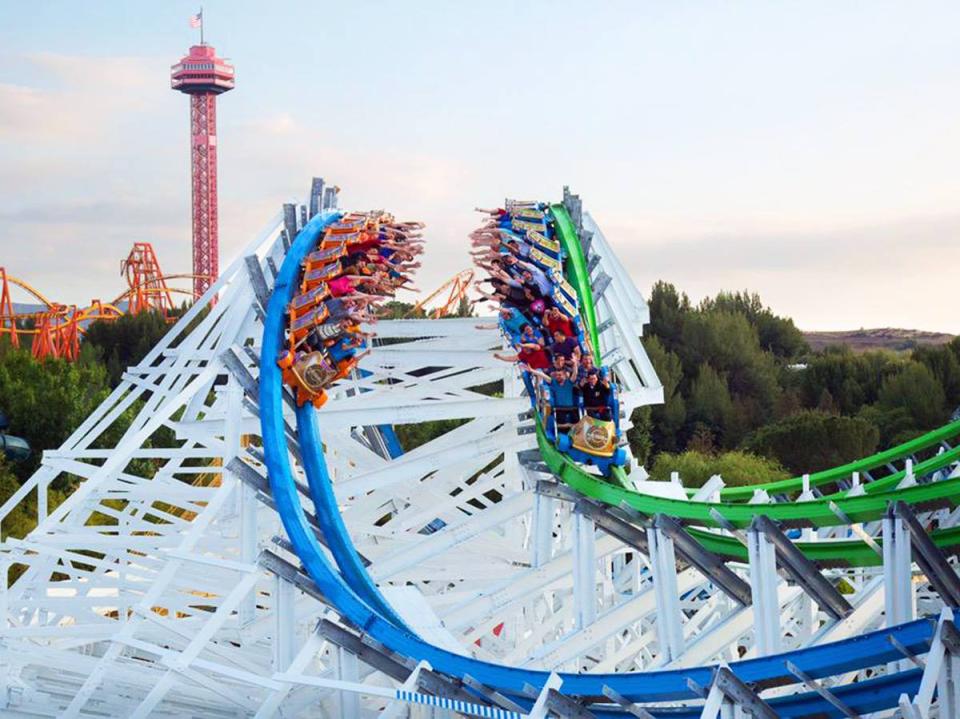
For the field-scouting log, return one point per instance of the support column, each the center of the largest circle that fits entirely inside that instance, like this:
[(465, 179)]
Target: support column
[(585, 571), (898, 594), (899, 599), (43, 491), (663, 562), (284, 623), (763, 586), (348, 670), (543, 522), (247, 502)]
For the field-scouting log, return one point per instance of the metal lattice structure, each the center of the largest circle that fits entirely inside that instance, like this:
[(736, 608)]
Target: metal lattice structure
[(203, 76), (163, 586)]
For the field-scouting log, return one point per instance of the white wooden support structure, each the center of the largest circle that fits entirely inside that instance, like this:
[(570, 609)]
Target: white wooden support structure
[(941, 674), (729, 697), (763, 586), (167, 612), (663, 562), (899, 594), (585, 567)]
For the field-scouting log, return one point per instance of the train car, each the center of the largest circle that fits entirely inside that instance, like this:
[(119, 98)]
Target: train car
[(587, 440), (324, 346)]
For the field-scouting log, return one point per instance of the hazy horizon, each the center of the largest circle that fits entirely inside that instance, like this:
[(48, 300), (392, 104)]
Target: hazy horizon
[(806, 152)]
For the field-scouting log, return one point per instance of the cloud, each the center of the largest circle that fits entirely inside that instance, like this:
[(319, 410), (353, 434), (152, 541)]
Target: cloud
[(116, 212), (881, 275), (70, 99), (869, 248)]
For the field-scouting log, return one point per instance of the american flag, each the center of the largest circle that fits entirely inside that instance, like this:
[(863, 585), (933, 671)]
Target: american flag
[(196, 20)]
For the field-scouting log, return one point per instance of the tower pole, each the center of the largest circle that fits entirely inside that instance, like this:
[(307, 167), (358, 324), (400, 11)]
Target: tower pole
[(202, 75), (203, 170)]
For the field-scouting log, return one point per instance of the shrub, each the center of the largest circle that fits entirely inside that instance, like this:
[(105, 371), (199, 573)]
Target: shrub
[(810, 441), (737, 468)]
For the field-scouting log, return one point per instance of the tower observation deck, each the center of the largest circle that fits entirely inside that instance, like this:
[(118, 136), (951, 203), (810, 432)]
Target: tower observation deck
[(202, 75)]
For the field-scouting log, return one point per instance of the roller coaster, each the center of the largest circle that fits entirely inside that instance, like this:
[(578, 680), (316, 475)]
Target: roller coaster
[(495, 570), (55, 328)]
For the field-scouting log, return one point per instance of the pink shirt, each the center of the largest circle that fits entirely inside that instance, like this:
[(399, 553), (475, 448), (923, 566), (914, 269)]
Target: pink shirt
[(340, 286)]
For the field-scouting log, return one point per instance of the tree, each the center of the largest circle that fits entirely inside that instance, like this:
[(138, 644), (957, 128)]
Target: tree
[(736, 468), (916, 390), (639, 436), (669, 418), (945, 366), (45, 401), (19, 521), (464, 308), (710, 402), (852, 380), (777, 335), (125, 341), (397, 310), (811, 441), (668, 311)]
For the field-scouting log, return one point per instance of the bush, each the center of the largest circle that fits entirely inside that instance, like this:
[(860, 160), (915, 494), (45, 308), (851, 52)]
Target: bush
[(45, 401), (124, 342), (916, 390), (736, 468), (811, 441)]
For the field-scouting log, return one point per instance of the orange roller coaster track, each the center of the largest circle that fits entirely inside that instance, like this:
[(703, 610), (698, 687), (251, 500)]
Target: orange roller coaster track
[(450, 293), (55, 329)]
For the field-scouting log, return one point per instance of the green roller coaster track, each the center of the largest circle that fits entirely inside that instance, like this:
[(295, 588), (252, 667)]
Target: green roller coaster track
[(829, 510)]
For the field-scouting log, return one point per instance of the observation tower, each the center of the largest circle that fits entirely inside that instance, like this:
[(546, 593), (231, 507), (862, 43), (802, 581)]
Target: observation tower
[(202, 75)]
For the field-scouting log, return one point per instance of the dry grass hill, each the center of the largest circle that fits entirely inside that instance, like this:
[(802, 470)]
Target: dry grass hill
[(886, 338)]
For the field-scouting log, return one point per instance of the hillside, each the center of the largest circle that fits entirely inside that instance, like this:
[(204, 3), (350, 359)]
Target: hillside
[(886, 338)]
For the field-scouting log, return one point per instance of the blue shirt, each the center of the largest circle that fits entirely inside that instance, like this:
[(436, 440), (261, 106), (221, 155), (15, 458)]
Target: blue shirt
[(339, 353), (514, 322), (562, 394)]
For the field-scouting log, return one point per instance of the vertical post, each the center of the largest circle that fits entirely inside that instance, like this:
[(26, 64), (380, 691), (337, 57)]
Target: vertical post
[(948, 686), (898, 594), (348, 670), (542, 530), (203, 124), (4, 606), (246, 496), (585, 571), (763, 586), (663, 562), (284, 617)]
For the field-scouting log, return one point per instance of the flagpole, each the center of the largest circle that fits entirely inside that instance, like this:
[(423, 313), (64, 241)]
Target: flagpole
[(201, 24)]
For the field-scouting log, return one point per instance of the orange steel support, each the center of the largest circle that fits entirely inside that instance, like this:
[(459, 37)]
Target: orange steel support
[(6, 309), (44, 342), (148, 288), (456, 288), (68, 336), (57, 328)]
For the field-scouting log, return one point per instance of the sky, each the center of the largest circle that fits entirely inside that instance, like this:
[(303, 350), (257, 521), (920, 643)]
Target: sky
[(808, 151)]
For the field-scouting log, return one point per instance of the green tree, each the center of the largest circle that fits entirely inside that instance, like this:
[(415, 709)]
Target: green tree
[(945, 366), (736, 468), (916, 390), (640, 434), (710, 403), (464, 308), (123, 342), (853, 380), (777, 335), (45, 401), (667, 419), (811, 441), (668, 311)]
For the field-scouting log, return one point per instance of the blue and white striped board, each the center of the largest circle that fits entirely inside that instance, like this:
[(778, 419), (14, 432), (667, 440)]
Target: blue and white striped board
[(477, 710)]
